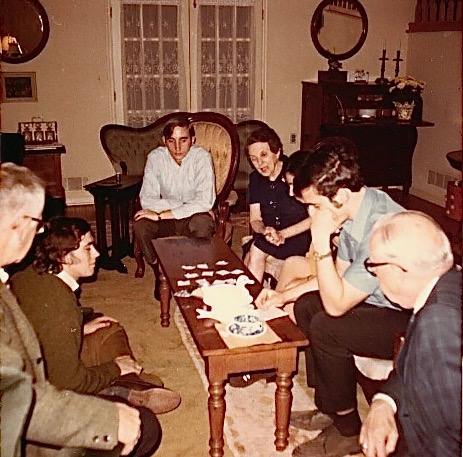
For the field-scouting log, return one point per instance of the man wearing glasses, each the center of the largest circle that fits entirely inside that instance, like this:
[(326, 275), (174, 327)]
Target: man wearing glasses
[(342, 310), (33, 413), (412, 259)]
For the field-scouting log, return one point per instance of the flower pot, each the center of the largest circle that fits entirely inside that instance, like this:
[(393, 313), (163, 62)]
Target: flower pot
[(404, 110), (409, 96)]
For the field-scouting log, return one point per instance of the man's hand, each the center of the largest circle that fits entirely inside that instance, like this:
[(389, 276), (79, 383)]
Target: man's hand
[(379, 433), (269, 298), (127, 365), (96, 324), (146, 214), (129, 430), (324, 223)]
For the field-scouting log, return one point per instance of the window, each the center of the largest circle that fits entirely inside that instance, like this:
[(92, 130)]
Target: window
[(165, 63)]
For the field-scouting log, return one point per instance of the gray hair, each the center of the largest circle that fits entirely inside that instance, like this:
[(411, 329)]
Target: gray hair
[(432, 250), (20, 189)]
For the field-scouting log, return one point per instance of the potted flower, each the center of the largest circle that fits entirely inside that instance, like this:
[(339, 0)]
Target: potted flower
[(406, 90)]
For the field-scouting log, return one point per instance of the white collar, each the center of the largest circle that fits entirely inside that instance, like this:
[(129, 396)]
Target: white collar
[(4, 276), (68, 280), (423, 296)]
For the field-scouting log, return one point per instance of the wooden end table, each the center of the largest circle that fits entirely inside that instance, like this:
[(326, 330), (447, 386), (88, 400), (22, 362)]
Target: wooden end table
[(220, 361), (119, 198)]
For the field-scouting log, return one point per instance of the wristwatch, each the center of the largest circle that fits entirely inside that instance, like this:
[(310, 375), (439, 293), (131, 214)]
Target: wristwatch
[(317, 256)]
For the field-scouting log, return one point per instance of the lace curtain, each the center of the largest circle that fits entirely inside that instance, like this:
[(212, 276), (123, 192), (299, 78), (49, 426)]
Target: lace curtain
[(156, 74)]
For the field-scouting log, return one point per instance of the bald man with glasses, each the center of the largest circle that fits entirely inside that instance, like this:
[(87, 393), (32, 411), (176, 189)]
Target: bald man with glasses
[(411, 257)]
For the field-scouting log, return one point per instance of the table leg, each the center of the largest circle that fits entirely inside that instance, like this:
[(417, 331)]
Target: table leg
[(101, 228), (283, 401), (216, 404), (164, 292), (116, 236)]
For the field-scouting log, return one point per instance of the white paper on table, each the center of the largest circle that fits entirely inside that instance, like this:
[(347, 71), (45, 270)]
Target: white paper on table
[(230, 281), (188, 267), (203, 266), (202, 282), (183, 283), (222, 272), (221, 262), (207, 273), (271, 313), (237, 272), (219, 281), (191, 275)]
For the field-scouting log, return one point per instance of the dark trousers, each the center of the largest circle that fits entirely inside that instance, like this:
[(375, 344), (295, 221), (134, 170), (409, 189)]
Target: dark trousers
[(200, 225), (366, 330)]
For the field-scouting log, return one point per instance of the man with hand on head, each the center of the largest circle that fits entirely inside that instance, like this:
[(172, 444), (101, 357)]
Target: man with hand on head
[(412, 259), (341, 310), (178, 191), (35, 416)]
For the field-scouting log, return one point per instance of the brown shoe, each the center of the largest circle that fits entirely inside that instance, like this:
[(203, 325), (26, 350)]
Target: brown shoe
[(158, 399), (330, 443), (310, 420), (247, 379)]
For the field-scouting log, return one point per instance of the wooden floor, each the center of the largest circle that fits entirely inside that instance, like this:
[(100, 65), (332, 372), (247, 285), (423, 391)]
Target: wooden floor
[(452, 227)]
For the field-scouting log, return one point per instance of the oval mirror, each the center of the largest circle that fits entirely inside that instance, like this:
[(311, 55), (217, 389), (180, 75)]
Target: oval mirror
[(24, 30), (339, 29)]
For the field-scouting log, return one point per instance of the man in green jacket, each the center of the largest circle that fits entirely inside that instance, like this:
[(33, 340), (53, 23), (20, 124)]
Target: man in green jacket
[(94, 357)]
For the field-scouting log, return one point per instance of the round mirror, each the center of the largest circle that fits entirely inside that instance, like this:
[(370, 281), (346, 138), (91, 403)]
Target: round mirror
[(339, 29), (24, 30)]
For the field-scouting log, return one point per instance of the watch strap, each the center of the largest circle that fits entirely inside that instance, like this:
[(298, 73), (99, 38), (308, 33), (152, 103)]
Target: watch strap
[(317, 256)]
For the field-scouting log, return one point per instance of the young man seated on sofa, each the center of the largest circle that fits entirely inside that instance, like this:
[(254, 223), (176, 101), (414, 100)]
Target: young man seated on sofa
[(178, 191)]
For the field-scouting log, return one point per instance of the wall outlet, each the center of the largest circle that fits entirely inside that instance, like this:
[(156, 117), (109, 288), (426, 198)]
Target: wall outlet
[(438, 179), (292, 137)]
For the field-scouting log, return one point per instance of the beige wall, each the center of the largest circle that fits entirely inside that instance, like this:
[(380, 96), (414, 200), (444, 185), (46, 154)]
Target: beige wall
[(74, 77)]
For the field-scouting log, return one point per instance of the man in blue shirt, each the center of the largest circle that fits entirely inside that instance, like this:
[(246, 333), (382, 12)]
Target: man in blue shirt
[(341, 310)]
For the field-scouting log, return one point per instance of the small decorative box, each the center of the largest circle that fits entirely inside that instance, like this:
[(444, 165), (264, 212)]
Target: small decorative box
[(38, 131)]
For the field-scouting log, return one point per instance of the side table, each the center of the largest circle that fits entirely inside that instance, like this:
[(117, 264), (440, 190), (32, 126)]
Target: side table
[(119, 198)]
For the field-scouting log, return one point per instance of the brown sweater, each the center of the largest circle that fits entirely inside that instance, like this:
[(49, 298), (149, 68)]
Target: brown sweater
[(51, 307)]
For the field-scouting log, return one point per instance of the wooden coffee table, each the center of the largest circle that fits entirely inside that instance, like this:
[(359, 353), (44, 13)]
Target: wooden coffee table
[(220, 361)]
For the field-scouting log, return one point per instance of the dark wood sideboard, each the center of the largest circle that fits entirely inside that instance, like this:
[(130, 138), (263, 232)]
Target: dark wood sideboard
[(363, 114), (45, 161)]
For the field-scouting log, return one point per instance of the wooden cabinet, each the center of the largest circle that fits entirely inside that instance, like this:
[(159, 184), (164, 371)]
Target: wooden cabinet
[(45, 161), (363, 114)]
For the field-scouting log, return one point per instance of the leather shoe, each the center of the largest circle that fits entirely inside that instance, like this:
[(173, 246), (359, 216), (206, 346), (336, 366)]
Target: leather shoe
[(250, 378), (330, 443), (158, 399), (310, 420)]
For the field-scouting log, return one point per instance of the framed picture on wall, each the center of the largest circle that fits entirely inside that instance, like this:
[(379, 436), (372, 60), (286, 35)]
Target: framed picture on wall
[(19, 87)]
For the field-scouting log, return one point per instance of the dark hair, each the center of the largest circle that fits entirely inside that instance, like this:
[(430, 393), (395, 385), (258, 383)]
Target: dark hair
[(330, 167), (64, 235), (295, 161), (180, 121), (265, 135)]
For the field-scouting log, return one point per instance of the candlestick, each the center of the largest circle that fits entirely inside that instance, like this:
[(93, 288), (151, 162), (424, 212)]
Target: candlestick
[(397, 61), (382, 79)]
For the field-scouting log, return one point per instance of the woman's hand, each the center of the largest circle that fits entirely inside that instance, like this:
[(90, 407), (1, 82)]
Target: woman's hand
[(96, 324), (273, 236), (269, 298)]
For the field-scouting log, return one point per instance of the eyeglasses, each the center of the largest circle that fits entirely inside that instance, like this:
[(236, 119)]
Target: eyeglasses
[(40, 224), (370, 265)]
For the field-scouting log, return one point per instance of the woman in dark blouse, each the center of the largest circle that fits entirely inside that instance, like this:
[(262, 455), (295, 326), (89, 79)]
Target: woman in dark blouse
[(279, 222)]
